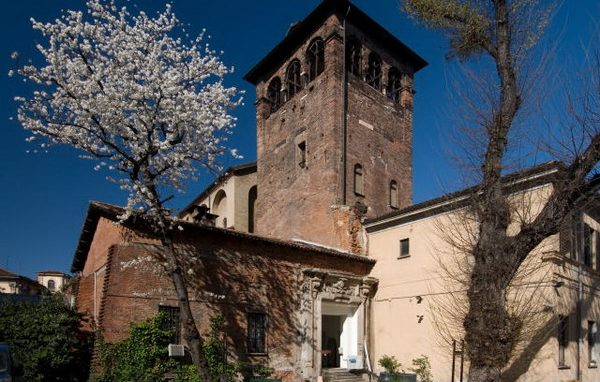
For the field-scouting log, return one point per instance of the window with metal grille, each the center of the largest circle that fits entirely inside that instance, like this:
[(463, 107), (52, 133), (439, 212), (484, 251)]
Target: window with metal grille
[(292, 79), (316, 59), (404, 248), (563, 339), (374, 71), (274, 94), (588, 233), (173, 321), (394, 85), (353, 56), (593, 343), (257, 332)]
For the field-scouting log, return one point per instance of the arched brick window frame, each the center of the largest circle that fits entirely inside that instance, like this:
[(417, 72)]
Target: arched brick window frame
[(293, 81), (394, 84), (374, 71), (353, 56), (274, 94), (315, 57)]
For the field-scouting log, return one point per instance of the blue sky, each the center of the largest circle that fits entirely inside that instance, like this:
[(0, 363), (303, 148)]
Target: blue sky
[(44, 197)]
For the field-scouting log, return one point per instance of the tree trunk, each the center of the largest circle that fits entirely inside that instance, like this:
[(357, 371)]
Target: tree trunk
[(491, 331), (484, 374), (191, 334)]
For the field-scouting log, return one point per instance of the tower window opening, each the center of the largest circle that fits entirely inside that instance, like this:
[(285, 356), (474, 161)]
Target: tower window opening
[(358, 180), (394, 85), (293, 79), (274, 94), (353, 56), (393, 194), (374, 71), (301, 154), (316, 59)]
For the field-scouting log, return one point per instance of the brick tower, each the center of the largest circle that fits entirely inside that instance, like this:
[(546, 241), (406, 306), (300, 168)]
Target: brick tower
[(334, 127)]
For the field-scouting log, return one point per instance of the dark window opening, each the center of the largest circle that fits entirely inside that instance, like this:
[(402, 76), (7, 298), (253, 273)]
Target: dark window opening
[(252, 196), (358, 180), (404, 248), (393, 194), (374, 71), (316, 59), (274, 94), (257, 328), (292, 79), (173, 321), (301, 154), (394, 85), (353, 57), (587, 245), (592, 343), (563, 339), (51, 285)]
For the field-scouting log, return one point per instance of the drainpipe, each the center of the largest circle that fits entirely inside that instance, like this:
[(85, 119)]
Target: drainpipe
[(579, 314), (345, 117)]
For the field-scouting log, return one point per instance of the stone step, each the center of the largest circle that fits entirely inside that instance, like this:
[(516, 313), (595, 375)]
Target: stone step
[(341, 375)]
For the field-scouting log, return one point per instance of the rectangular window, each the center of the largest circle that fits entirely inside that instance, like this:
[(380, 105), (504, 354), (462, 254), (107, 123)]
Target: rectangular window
[(563, 339), (404, 248), (597, 234), (173, 321), (592, 343), (587, 245), (257, 331)]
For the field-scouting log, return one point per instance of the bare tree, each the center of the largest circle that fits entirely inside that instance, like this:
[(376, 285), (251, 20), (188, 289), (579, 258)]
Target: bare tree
[(134, 95), (503, 32)]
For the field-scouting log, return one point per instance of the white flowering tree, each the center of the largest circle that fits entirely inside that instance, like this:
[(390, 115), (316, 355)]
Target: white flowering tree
[(133, 95)]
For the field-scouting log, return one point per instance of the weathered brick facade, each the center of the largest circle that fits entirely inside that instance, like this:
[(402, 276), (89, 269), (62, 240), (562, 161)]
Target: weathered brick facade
[(228, 272), (341, 127)]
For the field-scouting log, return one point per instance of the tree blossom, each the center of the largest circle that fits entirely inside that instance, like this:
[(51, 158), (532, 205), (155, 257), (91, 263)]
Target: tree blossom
[(133, 95)]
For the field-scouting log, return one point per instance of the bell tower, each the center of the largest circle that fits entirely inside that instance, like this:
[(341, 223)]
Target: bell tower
[(334, 127)]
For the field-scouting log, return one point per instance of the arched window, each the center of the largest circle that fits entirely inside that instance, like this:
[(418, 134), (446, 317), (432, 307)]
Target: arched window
[(316, 59), (393, 194), (359, 187), (51, 285), (252, 196), (220, 208), (394, 85), (274, 94), (374, 71), (353, 56), (292, 79)]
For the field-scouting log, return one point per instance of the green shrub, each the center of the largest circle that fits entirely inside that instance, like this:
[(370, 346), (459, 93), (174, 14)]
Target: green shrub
[(422, 368), (143, 356), (46, 340), (390, 364)]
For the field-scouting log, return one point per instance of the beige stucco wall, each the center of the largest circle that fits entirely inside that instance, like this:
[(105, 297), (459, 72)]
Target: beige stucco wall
[(59, 281), (7, 287), (416, 299), (235, 210)]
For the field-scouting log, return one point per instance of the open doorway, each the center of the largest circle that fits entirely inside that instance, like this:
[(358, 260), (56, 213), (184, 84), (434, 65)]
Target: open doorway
[(332, 329), (339, 335)]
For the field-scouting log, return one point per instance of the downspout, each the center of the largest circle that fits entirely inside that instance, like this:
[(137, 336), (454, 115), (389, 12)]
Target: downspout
[(345, 116), (579, 314)]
